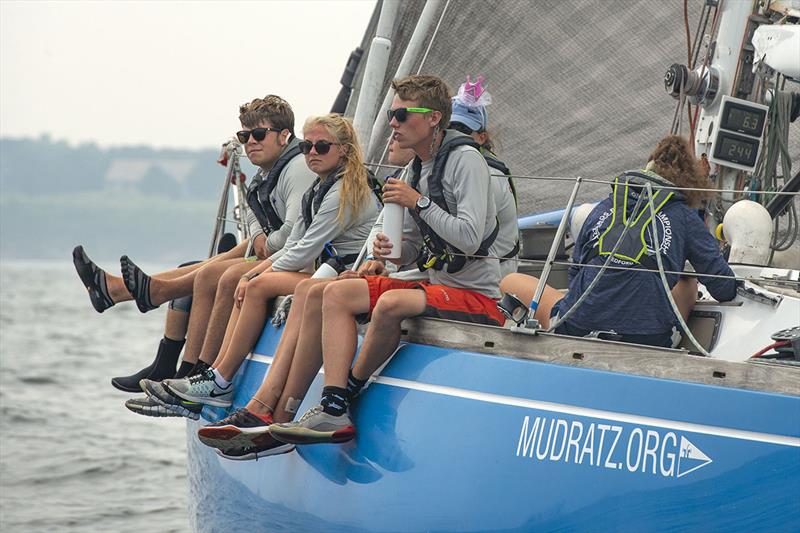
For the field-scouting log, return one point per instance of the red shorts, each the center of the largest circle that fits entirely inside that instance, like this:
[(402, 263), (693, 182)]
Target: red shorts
[(442, 301)]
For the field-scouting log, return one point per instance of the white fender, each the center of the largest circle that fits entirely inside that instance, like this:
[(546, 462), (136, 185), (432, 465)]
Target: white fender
[(748, 229), (579, 215)]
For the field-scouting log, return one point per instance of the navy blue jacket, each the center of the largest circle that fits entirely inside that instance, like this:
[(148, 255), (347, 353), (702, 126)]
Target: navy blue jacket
[(631, 301)]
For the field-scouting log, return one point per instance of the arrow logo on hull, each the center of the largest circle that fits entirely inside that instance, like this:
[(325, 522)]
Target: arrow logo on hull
[(690, 458)]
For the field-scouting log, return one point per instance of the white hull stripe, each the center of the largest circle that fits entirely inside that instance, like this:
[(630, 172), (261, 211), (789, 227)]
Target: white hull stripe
[(577, 411)]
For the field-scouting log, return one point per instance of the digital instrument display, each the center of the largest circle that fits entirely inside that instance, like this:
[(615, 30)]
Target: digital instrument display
[(736, 149), (743, 118), (738, 134)]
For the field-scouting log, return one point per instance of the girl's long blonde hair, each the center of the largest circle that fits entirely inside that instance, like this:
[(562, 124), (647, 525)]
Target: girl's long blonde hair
[(355, 190)]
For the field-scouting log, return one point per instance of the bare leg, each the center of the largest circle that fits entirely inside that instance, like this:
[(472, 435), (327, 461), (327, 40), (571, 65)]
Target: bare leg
[(341, 303), (204, 292), (685, 294), (253, 314), (296, 361), (524, 286), (176, 324), (214, 330), (383, 333), (178, 282)]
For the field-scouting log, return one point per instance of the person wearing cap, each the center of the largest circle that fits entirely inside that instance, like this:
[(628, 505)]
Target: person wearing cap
[(469, 117)]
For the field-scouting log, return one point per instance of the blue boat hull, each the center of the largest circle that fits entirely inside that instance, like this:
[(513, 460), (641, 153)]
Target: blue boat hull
[(458, 441)]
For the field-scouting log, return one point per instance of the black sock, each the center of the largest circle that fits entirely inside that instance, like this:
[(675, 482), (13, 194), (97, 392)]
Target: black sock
[(162, 367), (199, 368), (184, 369), (354, 385), (335, 400), (166, 359)]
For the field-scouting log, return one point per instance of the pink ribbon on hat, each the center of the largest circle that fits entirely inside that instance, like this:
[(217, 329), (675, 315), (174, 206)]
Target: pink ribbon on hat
[(473, 94)]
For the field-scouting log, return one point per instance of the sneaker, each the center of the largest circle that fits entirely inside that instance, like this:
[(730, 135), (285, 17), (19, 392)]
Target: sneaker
[(238, 430), (158, 394), (264, 448), (202, 389), (149, 407), (314, 427)]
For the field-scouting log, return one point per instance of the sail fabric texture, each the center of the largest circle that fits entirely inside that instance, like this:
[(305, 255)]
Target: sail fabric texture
[(577, 85)]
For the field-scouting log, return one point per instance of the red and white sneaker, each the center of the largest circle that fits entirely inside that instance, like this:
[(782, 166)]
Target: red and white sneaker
[(242, 428)]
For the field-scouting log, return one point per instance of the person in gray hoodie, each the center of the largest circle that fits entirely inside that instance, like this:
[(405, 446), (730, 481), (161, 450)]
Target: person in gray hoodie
[(269, 142), (336, 216), (450, 218)]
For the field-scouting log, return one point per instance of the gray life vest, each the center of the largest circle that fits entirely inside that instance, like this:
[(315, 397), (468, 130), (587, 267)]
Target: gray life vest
[(436, 253), (259, 191)]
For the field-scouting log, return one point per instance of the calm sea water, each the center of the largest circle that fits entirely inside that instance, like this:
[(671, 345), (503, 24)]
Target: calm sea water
[(72, 458)]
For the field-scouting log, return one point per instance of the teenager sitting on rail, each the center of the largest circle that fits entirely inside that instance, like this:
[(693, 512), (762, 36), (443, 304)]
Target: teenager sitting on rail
[(337, 214), (631, 301), (450, 218), (470, 118), (274, 195), (245, 433)]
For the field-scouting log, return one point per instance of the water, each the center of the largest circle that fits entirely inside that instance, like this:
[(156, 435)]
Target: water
[(72, 458)]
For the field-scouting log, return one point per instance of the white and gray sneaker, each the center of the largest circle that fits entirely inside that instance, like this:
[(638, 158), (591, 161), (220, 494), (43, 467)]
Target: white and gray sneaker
[(315, 427), (157, 394), (201, 388), (147, 406)]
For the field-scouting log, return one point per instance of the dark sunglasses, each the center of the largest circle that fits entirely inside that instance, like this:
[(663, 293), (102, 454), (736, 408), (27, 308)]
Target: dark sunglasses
[(259, 134), (401, 113), (322, 147), (463, 128)]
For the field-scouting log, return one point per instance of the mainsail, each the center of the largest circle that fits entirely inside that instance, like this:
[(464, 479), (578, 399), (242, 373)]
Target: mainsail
[(577, 85)]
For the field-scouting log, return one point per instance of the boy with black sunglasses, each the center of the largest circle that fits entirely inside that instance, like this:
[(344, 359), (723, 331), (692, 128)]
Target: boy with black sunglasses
[(275, 197), (450, 219)]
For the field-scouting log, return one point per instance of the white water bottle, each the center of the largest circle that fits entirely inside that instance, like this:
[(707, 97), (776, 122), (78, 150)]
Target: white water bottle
[(393, 227), (325, 270)]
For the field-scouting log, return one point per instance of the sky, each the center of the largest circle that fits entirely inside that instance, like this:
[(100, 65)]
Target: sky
[(167, 74)]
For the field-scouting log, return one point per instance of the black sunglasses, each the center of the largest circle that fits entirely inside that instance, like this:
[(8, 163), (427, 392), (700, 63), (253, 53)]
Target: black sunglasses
[(322, 147), (401, 113), (259, 134), (463, 128)]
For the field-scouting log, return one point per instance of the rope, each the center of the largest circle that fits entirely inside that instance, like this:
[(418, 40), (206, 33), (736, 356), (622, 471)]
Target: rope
[(433, 36), (662, 275), (609, 182), (691, 274), (776, 142)]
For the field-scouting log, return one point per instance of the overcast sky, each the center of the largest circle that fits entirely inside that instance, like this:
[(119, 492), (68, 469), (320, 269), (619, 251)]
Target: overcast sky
[(167, 74)]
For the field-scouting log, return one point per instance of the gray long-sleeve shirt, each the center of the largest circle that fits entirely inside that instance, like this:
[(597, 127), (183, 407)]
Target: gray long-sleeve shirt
[(286, 199), (305, 244), (508, 235), (468, 193)]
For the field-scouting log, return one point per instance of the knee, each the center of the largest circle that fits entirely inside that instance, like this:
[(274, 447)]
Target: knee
[(303, 288), (206, 280), (514, 283), (315, 293), (228, 281), (335, 297), (389, 306), (259, 287)]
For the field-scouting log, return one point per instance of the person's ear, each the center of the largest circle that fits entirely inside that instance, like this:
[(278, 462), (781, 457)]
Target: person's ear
[(435, 118), (284, 137)]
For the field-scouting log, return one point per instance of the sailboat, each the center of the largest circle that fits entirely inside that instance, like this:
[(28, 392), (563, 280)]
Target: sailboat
[(479, 428)]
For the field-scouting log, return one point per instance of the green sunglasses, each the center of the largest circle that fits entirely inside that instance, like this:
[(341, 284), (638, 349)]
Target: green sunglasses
[(401, 113)]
